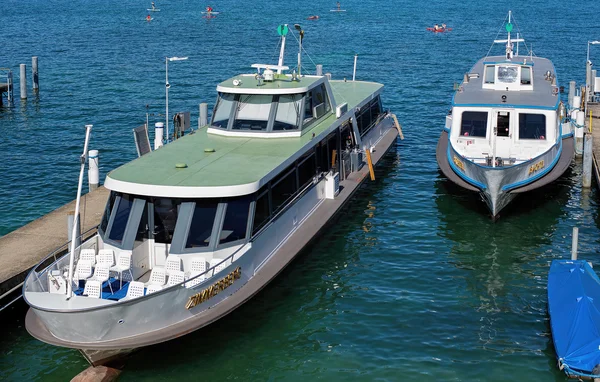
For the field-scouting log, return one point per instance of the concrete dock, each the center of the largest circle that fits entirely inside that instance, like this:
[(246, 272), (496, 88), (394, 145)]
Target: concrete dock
[(25, 247), (595, 108)]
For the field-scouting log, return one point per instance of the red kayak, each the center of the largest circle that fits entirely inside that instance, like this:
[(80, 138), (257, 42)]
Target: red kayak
[(439, 30)]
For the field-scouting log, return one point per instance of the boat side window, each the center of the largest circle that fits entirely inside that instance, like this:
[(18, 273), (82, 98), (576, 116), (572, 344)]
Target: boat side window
[(235, 223), (283, 187), (107, 211), (287, 116), (474, 124), (222, 111), (507, 74), (316, 105), (165, 217), (368, 116), (142, 233), (525, 75), (306, 168), (490, 74), (201, 226), (252, 112), (532, 126), (119, 223), (262, 209)]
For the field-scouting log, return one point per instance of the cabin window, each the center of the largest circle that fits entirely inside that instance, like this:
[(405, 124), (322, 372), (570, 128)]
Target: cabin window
[(283, 188), (165, 217), (316, 105), (235, 223), (490, 74), (119, 223), (474, 124), (262, 210), (525, 75), (507, 74), (368, 116), (306, 168), (532, 126), (252, 113), (288, 112), (222, 110), (107, 211), (201, 226), (142, 233)]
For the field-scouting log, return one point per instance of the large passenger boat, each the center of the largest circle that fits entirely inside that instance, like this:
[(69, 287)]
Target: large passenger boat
[(195, 228), (505, 134)]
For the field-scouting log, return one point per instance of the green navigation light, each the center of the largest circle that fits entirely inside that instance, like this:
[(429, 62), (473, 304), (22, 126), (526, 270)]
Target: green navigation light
[(509, 27), (282, 30)]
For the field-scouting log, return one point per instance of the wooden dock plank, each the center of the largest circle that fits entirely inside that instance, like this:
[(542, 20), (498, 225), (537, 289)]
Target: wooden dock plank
[(23, 248)]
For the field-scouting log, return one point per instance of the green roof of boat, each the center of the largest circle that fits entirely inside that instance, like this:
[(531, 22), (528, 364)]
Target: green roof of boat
[(235, 160)]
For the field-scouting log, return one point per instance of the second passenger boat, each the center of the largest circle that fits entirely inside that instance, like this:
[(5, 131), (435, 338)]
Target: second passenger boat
[(194, 229), (505, 134)]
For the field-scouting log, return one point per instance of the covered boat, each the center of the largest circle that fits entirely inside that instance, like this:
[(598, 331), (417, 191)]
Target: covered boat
[(574, 309), (505, 134)]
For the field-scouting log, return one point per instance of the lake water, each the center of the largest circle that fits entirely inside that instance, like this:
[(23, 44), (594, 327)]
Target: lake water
[(413, 281)]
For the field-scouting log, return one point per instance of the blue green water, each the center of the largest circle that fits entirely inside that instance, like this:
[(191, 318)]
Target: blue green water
[(412, 282)]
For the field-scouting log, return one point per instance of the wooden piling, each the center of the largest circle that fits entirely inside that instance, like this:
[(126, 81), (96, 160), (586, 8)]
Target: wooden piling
[(23, 81), (574, 243), (34, 74)]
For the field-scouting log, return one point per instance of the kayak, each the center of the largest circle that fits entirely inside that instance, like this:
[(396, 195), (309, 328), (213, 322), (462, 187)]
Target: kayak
[(212, 13), (312, 17), (337, 10), (153, 10), (441, 30), (574, 310)]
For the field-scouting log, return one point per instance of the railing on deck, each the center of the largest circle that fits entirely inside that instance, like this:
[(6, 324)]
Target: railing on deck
[(37, 280)]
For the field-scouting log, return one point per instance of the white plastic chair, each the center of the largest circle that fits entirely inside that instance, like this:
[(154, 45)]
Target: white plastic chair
[(83, 270), (176, 277), (93, 288), (135, 290), (158, 276), (199, 266), (173, 264), (123, 264), (153, 288), (106, 256), (218, 268), (88, 254), (102, 274)]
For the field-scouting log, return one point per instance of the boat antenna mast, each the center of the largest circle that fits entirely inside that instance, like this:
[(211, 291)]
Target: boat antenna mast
[(88, 131), (509, 41), (282, 30)]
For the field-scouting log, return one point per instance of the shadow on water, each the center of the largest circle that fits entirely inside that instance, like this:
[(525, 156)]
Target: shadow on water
[(285, 312)]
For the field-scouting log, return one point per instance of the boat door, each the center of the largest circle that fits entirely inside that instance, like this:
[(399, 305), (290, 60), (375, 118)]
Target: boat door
[(162, 216), (503, 133)]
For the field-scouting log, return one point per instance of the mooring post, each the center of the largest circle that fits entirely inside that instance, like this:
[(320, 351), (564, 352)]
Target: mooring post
[(34, 73), (70, 221), (319, 70), (158, 134), (587, 160), (571, 94), (23, 81), (93, 170), (579, 131), (574, 243), (10, 96), (203, 115)]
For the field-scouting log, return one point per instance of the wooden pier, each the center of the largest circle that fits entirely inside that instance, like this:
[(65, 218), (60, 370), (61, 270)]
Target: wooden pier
[(25, 247), (595, 128)]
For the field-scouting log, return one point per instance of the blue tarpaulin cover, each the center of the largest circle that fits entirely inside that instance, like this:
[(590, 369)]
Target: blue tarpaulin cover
[(574, 309)]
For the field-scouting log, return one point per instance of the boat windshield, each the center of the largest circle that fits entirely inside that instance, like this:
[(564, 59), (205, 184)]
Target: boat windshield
[(252, 112)]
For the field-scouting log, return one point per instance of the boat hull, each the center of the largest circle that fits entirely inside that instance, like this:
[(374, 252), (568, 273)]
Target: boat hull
[(498, 186), (135, 323)]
